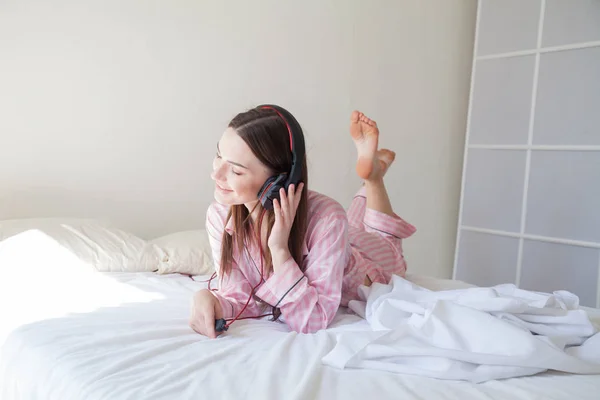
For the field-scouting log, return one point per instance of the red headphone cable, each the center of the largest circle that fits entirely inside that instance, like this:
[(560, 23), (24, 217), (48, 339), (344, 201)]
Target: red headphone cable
[(237, 317)]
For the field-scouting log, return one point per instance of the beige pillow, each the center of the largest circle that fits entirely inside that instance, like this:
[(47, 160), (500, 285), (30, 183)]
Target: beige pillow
[(186, 252)]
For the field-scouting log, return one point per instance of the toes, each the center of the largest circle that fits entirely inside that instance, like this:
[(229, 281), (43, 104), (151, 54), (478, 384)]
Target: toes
[(357, 116), (368, 120), (388, 152), (387, 156)]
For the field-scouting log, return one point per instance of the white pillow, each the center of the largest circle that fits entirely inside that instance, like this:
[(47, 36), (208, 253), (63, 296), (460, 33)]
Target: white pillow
[(104, 248), (11, 227), (109, 249), (186, 252)]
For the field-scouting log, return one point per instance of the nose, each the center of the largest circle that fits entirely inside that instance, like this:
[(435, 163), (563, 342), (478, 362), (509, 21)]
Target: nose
[(217, 171)]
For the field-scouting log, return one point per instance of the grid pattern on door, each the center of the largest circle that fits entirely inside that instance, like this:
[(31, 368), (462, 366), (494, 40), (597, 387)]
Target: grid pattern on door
[(530, 196)]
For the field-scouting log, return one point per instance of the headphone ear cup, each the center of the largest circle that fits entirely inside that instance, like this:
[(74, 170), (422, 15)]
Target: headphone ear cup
[(265, 186), (270, 190)]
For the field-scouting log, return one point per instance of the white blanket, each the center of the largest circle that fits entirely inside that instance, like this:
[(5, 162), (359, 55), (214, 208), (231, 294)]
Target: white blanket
[(474, 334)]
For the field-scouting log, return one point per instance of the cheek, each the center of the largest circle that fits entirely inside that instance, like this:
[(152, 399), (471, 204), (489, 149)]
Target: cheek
[(246, 188)]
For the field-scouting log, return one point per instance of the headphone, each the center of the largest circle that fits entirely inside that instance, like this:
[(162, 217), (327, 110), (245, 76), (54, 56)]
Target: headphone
[(270, 190)]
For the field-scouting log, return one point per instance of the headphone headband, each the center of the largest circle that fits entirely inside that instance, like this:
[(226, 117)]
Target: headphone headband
[(270, 189)]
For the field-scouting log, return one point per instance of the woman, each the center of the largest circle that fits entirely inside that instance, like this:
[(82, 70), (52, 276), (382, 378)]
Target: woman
[(306, 256)]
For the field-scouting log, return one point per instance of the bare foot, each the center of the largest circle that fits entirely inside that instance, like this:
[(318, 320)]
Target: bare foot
[(385, 158), (365, 134)]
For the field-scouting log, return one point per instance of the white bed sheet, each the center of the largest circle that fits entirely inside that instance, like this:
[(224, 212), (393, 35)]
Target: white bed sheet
[(82, 335)]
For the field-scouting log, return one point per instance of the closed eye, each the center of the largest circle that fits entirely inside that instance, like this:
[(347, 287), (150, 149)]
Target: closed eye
[(229, 161)]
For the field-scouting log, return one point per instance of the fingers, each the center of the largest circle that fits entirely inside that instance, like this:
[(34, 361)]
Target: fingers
[(205, 308), (218, 310), (195, 326), (292, 193), (285, 206), (209, 322), (198, 325), (298, 196), (218, 314), (276, 209), (294, 196)]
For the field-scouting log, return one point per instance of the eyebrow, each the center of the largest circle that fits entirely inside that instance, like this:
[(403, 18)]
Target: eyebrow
[(231, 162)]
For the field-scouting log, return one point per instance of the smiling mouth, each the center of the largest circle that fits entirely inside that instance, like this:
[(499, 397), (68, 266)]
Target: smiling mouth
[(223, 189)]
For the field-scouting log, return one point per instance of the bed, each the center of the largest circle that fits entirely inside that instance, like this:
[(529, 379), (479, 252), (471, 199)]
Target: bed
[(78, 333)]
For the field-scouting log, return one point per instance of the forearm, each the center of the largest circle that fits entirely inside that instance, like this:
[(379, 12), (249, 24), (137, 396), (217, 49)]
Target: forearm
[(278, 257), (306, 307), (232, 305)]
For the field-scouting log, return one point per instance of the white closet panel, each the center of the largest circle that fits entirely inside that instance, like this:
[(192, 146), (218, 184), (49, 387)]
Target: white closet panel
[(568, 99), (530, 199)]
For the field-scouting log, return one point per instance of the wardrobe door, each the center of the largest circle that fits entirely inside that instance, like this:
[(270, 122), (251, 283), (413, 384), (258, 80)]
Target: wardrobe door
[(530, 197)]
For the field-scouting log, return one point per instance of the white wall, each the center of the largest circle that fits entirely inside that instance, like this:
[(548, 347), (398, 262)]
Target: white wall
[(113, 108)]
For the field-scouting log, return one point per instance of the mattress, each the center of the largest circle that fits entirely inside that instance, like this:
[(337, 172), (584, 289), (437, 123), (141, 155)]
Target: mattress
[(81, 335)]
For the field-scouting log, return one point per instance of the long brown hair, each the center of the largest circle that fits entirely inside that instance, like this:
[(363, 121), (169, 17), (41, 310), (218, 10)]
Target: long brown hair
[(266, 134)]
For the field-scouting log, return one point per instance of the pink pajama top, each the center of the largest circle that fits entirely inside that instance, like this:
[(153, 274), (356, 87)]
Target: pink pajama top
[(340, 249)]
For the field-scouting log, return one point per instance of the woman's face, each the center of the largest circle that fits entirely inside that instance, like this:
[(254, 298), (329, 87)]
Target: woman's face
[(237, 173)]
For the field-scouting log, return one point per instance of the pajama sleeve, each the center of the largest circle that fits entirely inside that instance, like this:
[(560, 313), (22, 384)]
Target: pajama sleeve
[(309, 300)]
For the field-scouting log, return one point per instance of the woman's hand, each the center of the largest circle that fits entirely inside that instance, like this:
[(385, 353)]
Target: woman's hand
[(205, 309), (285, 212)]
